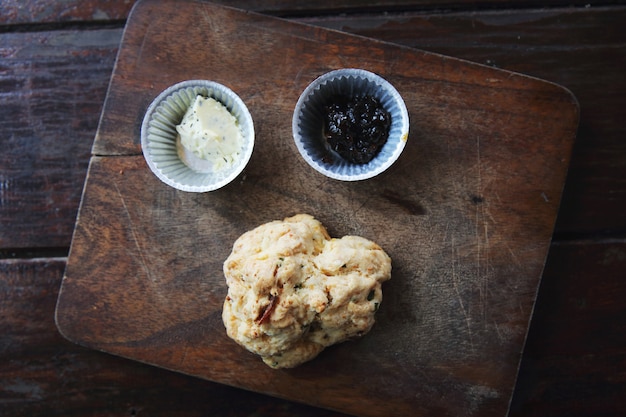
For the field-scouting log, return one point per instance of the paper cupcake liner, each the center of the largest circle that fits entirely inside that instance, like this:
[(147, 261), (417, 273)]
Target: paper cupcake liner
[(159, 144), (308, 121)]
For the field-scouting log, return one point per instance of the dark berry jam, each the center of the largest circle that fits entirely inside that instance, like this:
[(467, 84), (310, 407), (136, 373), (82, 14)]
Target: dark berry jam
[(356, 128)]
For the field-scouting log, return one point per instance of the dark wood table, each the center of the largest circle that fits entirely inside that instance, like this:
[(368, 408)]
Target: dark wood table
[(56, 60)]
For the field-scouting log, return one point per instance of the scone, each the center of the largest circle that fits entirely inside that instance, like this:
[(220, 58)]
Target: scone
[(293, 290)]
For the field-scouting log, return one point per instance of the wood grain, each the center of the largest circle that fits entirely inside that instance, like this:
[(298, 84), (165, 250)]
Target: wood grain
[(16, 12), (55, 11), (576, 342), (44, 375), (563, 373), (562, 46), (41, 195), (486, 162), (55, 84), (574, 360)]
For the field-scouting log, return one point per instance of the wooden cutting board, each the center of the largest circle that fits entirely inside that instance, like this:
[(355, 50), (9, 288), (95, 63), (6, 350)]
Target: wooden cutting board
[(466, 214)]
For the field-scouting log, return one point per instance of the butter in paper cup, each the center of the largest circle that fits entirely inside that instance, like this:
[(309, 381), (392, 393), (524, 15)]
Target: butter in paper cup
[(308, 122), (163, 152)]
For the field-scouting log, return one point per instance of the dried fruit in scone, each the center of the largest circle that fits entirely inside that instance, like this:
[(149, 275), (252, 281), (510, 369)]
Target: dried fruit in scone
[(293, 290)]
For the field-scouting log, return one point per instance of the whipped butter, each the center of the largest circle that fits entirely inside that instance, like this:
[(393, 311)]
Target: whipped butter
[(211, 133)]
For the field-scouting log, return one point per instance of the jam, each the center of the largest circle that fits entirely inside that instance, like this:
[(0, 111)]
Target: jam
[(356, 128)]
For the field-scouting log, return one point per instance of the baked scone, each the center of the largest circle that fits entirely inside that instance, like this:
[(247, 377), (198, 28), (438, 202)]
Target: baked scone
[(292, 290)]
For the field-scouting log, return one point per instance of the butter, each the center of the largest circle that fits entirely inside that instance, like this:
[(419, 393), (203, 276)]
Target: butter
[(211, 133)]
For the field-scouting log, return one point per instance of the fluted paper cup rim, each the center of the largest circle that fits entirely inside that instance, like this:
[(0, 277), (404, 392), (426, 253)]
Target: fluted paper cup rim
[(158, 136), (348, 81)]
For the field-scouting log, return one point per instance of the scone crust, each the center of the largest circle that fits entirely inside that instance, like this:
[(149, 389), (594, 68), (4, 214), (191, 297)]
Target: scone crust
[(293, 290)]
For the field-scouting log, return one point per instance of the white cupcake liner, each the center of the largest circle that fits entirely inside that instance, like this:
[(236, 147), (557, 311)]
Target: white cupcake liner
[(159, 144), (308, 121)]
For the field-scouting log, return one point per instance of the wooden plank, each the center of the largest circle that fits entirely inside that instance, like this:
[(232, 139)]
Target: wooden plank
[(563, 372), (582, 377), (54, 11), (49, 70), (44, 375), (53, 85), (564, 46), (14, 12), (575, 355), (480, 162)]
